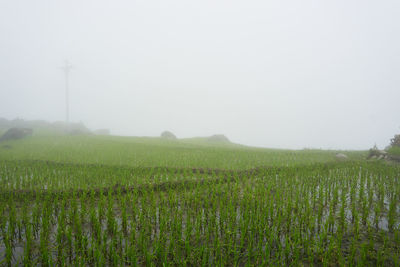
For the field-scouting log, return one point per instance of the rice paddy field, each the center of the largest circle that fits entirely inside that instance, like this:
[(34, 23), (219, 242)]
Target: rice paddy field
[(124, 201)]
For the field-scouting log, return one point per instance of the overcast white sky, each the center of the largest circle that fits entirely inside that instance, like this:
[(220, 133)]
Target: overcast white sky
[(286, 74)]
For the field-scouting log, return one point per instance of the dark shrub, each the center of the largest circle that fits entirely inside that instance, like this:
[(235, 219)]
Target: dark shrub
[(16, 133)]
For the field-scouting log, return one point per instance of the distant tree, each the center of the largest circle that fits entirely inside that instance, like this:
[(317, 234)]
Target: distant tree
[(395, 141)]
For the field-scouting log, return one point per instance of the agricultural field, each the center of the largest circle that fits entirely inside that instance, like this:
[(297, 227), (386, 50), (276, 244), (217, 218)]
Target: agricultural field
[(124, 201)]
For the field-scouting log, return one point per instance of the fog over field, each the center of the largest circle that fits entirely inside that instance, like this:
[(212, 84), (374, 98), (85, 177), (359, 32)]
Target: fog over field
[(284, 74)]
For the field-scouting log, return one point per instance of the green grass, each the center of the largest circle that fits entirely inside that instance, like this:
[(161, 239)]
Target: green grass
[(394, 151), (154, 152)]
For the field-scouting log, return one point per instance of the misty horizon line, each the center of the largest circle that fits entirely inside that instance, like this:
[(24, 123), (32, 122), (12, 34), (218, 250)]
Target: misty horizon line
[(114, 133)]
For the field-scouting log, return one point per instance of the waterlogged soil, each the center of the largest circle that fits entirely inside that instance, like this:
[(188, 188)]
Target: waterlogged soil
[(19, 244)]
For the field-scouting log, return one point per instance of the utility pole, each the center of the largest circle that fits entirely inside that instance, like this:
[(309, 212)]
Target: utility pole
[(67, 68)]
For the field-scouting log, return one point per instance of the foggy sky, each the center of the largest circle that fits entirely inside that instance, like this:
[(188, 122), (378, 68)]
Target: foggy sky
[(284, 74)]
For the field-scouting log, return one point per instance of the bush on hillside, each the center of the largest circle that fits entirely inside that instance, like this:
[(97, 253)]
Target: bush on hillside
[(16, 133), (168, 135), (395, 141)]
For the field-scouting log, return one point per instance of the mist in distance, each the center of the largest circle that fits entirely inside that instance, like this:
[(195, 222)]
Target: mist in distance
[(282, 74)]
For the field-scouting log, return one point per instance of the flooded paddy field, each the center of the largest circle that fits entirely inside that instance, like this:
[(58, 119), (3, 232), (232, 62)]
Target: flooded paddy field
[(69, 214)]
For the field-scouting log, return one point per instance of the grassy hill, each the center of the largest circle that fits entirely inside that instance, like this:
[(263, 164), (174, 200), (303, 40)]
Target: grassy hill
[(150, 151)]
